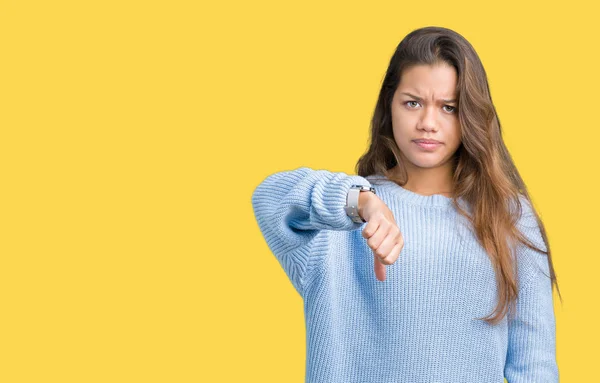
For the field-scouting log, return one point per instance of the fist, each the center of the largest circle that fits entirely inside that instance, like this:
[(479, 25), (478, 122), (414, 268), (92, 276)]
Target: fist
[(381, 232)]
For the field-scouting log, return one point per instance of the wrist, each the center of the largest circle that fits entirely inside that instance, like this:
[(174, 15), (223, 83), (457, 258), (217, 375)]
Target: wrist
[(353, 199), (362, 201)]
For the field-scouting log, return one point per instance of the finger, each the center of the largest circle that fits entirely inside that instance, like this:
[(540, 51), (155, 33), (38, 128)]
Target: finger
[(382, 232), (385, 248), (370, 228), (379, 269), (395, 253)]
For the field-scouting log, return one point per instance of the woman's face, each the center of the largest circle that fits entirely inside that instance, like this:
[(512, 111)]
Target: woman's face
[(424, 106)]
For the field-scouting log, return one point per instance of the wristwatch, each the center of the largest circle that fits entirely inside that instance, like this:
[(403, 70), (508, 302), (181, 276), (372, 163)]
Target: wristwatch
[(352, 201)]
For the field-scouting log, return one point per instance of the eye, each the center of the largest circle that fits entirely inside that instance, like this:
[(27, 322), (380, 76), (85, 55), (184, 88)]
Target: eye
[(452, 110), (408, 102)]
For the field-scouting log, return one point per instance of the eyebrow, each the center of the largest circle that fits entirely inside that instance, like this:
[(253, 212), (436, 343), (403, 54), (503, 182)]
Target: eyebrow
[(420, 99)]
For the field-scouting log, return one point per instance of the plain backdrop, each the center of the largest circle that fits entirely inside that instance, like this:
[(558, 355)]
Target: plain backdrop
[(133, 135)]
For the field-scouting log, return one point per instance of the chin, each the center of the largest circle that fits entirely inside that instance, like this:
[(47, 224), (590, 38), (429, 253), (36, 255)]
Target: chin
[(426, 162), (426, 165)]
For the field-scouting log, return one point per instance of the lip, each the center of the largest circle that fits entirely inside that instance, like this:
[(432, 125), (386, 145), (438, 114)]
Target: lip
[(427, 141), (428, 145)]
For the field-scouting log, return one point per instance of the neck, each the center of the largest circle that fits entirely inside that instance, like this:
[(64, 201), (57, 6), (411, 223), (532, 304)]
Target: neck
[(428, 181)]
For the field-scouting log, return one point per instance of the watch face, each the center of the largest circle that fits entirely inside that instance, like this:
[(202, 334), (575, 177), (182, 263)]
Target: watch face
[(364, 188)]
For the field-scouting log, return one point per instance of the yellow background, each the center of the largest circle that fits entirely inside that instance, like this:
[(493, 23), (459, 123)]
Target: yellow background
[(133, 134)]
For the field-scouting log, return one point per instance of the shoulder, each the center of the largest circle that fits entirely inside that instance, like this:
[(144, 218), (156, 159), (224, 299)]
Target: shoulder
[(377, 179), (527, 223), (524, 215)]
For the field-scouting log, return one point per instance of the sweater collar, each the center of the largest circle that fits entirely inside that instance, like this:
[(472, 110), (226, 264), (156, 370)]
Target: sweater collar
[(408, 195)]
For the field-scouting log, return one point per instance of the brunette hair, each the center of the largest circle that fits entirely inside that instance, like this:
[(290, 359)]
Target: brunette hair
[(484, 174)]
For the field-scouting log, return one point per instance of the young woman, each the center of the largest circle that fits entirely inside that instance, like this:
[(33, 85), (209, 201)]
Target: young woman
[(442, 271)]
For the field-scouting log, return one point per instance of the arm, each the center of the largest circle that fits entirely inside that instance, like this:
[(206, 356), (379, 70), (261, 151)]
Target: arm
[(291, 207), (531, 356)]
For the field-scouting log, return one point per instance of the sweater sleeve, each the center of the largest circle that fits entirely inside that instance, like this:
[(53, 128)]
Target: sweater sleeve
[(291, 207), (531, 356)]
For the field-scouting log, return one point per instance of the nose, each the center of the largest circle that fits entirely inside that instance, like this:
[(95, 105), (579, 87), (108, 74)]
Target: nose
[(428, 119)]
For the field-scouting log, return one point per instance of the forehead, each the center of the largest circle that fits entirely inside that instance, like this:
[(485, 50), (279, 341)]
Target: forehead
[(426, 80)]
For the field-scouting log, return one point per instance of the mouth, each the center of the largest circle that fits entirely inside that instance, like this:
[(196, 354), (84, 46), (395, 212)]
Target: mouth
[(428, 145), (427, 141)]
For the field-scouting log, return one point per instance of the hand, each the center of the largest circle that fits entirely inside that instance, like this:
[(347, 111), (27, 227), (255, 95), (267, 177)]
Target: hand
[(381, 231)]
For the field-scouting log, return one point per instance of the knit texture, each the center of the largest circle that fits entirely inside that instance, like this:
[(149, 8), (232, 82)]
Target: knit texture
[(419, 325)]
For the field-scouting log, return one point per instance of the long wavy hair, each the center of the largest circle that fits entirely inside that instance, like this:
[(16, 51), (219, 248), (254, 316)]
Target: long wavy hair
[(484, 174)]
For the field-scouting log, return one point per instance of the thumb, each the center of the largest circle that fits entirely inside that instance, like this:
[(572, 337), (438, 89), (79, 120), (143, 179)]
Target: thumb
[(379, 269)]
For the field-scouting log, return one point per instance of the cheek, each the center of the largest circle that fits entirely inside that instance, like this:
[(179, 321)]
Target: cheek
[(401, 120), (456, 132), (454, 139)]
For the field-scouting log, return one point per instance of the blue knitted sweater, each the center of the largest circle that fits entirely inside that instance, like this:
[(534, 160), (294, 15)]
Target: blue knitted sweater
[(419, 325)]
